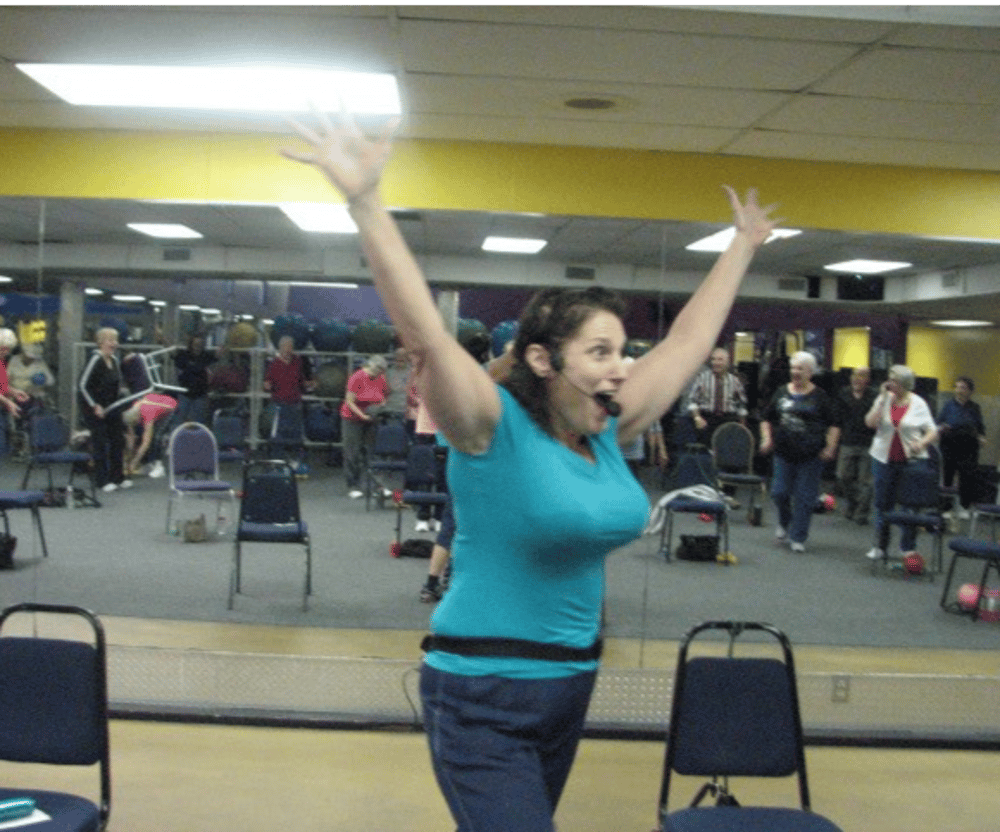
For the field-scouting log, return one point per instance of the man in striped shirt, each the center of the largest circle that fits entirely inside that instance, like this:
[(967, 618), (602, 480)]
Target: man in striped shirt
[(717, 396)]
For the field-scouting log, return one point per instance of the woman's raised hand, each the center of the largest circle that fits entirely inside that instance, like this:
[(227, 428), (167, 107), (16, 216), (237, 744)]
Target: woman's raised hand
[(749, 218), (351, 160)]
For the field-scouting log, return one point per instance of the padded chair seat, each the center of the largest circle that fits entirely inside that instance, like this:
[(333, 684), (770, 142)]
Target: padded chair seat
[(202, 485), (911, 518), (692, 505), (430, 498), (740, 479), (21, 499), (76, 813), (746, 819), (970, 547), (272, 532), (62, 456)]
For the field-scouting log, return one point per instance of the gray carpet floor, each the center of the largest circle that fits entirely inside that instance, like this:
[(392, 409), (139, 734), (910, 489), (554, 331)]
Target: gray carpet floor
[(117, 560)]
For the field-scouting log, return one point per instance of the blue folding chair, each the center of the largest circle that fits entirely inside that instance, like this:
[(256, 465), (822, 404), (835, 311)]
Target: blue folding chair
[(736, 717), (269, 513), (388, 457), (49, 439), (918, 506), (421, 483), (694, 468), (54, 711), (194, 468)]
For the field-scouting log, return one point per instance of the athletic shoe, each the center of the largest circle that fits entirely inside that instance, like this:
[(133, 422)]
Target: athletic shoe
[(797, 547), (780, 533), (157, 470), (430, 596), (387, 493), (125, 484), (354, 493), (109, 487), (422, 526), (875, 554), (963, 514)]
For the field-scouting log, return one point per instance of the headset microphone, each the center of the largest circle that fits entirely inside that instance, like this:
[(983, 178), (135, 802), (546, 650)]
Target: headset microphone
[(610, 405)]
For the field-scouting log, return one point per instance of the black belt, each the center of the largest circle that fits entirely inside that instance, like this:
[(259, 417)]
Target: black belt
[(517, 648)]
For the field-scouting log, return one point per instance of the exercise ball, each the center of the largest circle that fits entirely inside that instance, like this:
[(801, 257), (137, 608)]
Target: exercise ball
[(331, 380), (636, 347), (502, 333), (913, 563), (242, 336), (331, 336), (373, 337), (968, 597), (291, 324)]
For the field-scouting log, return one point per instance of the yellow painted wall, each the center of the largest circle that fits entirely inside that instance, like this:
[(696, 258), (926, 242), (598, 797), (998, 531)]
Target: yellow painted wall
[(506, 177), (851, 347), (946, 353)]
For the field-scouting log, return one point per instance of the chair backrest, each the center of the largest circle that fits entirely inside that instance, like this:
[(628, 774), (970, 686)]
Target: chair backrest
[(270, 493), (421, 468), (391, 440), (229, 431), (732, 448), (193, 453), (694, 468), (919, 486), (53, 697), (735, 716), (48, 432)]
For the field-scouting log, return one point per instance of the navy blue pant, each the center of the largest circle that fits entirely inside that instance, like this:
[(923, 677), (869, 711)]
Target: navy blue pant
[(502, 748), (887, 478), (794, 489)]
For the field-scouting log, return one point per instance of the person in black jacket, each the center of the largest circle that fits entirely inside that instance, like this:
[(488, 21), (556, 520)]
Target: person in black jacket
[(854, 463), (192, 374), (100, 391)]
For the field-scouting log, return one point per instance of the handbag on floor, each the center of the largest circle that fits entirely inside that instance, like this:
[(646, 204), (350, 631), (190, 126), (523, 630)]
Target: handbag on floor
[(698, 547)]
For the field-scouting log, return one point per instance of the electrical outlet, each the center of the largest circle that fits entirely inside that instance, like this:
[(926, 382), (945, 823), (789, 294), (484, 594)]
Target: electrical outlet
[(841, 689)]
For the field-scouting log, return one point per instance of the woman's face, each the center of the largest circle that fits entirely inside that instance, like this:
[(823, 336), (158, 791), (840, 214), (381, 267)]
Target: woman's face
[(108, 344), (285, 346), (892, 382), (592, 362), (800, 371), (962, 391)]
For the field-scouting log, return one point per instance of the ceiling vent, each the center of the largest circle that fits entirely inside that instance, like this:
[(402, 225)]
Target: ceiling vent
[(581, 272), (176, 255)]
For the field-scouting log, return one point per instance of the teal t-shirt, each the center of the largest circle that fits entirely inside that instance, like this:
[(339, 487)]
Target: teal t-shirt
[(535, 522)]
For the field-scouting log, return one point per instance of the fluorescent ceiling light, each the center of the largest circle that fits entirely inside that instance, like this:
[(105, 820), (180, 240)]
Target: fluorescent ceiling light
[(514, 245), (320, 217), (958, 323), (322, 285), (165, 230), (211, 311), (867, 266), (251, 88), (721, 239), (5, 279), (157, 303), (93, 292), (129, 298), (189, 307)]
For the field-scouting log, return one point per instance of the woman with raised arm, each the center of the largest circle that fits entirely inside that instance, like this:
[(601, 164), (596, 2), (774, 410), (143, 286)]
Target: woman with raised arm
[(541, 496)]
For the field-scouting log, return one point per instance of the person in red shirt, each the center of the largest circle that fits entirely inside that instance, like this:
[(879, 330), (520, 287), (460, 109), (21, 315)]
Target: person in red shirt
[(365, 388), (288, 376), (150, 410)]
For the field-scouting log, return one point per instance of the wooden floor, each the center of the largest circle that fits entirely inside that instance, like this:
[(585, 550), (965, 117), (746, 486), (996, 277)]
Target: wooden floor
[(204, 778), (171, 777)]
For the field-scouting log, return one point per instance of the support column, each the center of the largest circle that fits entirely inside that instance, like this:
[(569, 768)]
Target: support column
[(71, 307)]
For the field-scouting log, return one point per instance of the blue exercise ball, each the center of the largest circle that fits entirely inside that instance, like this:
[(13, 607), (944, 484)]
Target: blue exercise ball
[(503, 332), (291, 324), (331, 336)]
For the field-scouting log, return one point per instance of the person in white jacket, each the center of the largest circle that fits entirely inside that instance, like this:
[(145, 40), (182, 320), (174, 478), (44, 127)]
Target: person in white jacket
[(904, 429)]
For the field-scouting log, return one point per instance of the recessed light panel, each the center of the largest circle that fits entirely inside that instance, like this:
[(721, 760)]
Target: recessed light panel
[(320, 217), (514, 245), (165, 230), (720, 241), (249, 88), (867, 266)]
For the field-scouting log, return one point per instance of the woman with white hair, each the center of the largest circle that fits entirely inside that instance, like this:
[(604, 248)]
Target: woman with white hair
[(800, 426), (904, 428), (101, 407), (367, 387)]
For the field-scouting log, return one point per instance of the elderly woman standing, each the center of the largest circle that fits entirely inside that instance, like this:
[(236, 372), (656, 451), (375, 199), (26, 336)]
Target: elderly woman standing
[(365, 388), (960, 424), (100, 390), (801, 427), (904, 428)]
